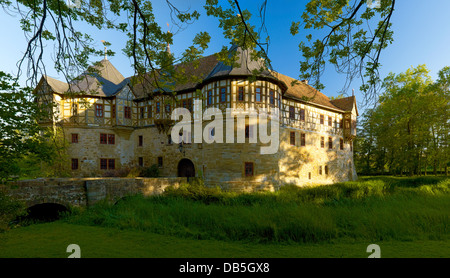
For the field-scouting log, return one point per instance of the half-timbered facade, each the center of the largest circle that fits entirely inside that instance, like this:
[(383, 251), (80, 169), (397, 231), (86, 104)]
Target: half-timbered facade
[(110, 124)]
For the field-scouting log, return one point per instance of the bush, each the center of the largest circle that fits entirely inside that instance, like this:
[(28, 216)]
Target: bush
[(123, 172), (197, 191), (9, 211), (150, 172)]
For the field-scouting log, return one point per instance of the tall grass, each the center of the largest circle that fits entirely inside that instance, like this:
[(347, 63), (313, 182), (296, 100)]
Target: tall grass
[(370, 209)]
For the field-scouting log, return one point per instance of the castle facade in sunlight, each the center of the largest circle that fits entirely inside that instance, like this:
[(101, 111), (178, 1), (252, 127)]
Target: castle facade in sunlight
[(111, 122)]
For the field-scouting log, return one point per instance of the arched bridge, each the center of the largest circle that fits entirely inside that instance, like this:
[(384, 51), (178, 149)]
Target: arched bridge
[(83, 191)]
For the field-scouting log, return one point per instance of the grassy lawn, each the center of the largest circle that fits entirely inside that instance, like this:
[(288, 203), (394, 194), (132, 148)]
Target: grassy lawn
[(406, 217), (50, 240)]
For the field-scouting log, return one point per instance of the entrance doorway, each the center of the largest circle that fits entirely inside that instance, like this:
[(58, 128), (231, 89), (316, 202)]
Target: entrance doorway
[(186, 168)]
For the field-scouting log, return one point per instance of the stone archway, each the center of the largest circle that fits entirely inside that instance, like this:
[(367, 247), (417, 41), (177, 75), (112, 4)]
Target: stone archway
[(186, 168), (46, 212)]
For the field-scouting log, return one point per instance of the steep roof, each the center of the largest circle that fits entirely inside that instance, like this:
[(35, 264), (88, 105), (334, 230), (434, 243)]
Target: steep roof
[(346, 103), (245, 66), (198, 69), (104, 83), (108, 81), (56, 85), (300, 90)]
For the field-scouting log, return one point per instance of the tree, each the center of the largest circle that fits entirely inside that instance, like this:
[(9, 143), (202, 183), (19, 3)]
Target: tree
[(438, 147), (353, 45), (20, 134), (409, 127), (357, 34)]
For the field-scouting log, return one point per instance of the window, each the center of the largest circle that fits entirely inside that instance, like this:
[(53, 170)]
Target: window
[(341, 144), (141, 141), (74, 137), (190, 106), (347, 123), (111, 139), (99, 110), (272, 97), (168, 108), (113, 111), (320, 170), (292, 112), (103, 138), (322, 119), (302, 114), (240, 93), (292, 138), (149, 114), (111, 164), (249, 169), (141, 161), (74, 163), (158, 107), (106, 163), (326, 170), (103, 164), (302, 139), (210, 98), (330, 143), (330, 121), (107, 138), (322, 142), (127, 111), (160, 161), (223, 94), (141, 110), (258, 94)]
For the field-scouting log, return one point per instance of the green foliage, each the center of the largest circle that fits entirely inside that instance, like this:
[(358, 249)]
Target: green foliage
[(10, 210), (351, 44), (150, 172), (373, 209), (408, 129), (20, 134)]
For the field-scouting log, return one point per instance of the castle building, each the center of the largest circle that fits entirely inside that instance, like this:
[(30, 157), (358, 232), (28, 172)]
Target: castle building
[(111, 122)]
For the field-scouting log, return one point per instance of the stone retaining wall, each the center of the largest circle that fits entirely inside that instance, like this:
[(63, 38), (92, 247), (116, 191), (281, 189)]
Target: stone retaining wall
[(84, 191)]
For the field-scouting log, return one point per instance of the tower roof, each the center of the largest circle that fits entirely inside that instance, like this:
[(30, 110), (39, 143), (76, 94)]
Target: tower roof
[(105, 80)]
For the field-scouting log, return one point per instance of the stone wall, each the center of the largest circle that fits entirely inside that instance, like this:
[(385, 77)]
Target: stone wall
[(84, 191)]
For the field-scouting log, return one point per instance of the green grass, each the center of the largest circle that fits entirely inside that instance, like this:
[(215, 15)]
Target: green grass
[(406, 217), (369, 210), (50, 240)]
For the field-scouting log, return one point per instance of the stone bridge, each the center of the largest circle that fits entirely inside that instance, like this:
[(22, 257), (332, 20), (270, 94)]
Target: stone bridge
[(84, 191)]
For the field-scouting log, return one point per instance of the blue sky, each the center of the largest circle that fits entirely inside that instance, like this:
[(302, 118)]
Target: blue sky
[(421, 36)]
